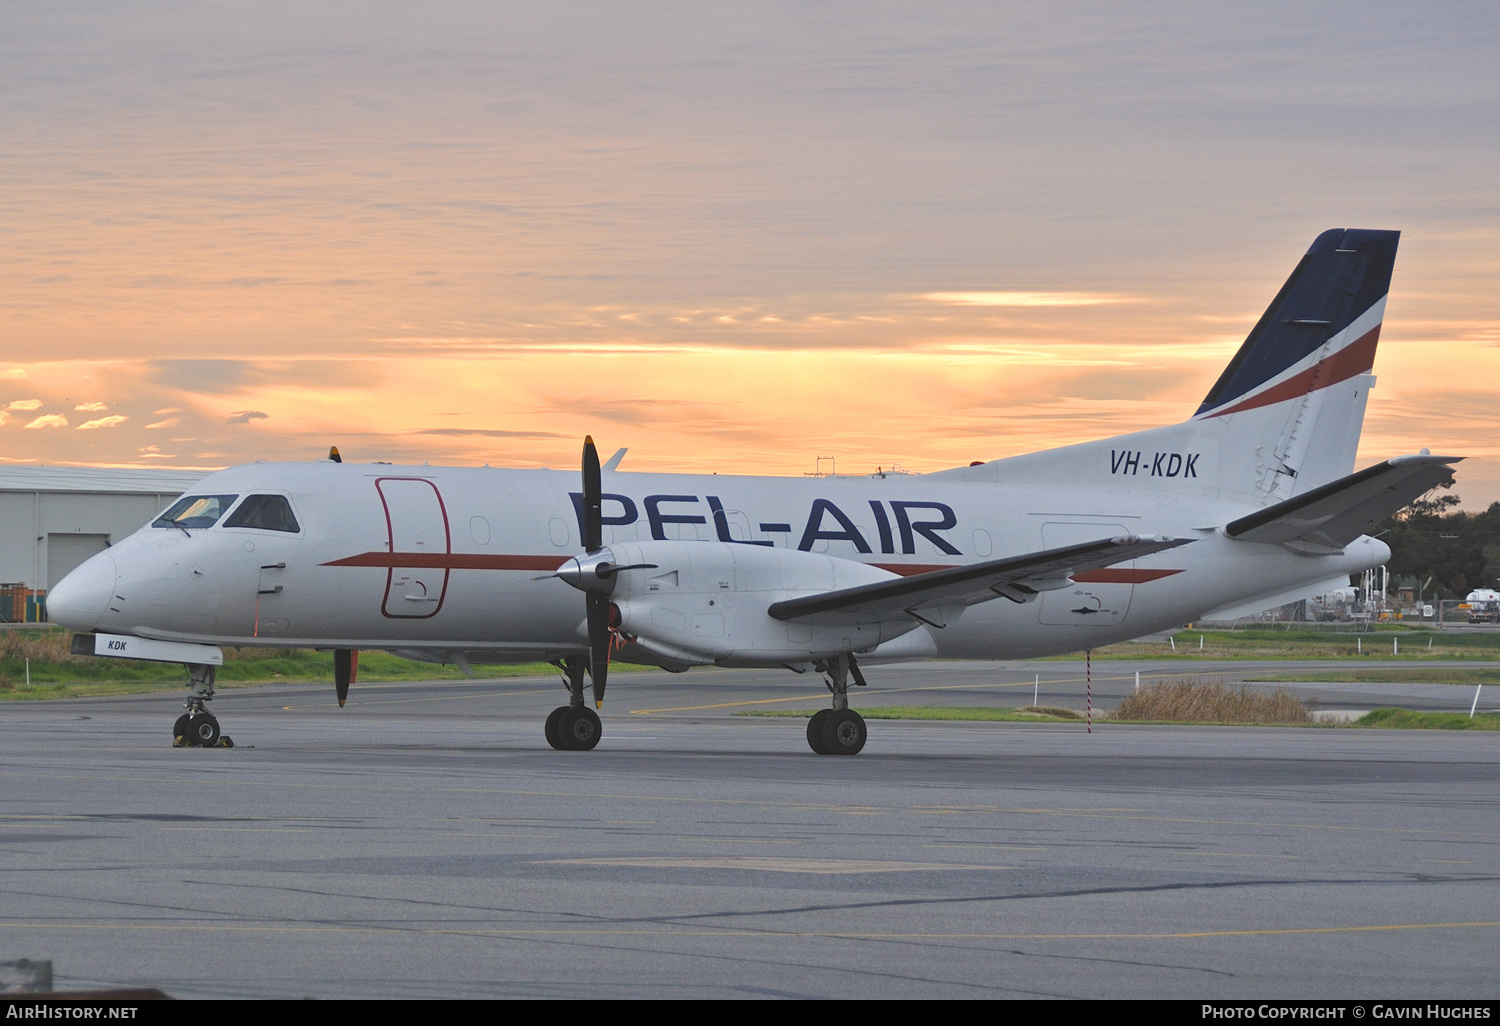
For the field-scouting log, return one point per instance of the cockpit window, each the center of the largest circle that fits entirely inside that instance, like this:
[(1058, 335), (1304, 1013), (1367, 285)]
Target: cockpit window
[(266, 512), (195, 511)]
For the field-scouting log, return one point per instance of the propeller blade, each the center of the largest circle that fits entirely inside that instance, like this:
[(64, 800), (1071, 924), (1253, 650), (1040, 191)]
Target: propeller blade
[(593, 502), (599, 643), (345, 669)]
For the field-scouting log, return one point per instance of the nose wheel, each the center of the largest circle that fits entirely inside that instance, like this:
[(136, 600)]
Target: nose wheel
[(198, 728)]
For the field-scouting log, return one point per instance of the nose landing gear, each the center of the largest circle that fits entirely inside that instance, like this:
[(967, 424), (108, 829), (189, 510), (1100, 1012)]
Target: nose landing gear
[(197, 728)]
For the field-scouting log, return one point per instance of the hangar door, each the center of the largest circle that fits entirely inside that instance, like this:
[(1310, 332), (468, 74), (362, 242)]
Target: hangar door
[(66, 552)]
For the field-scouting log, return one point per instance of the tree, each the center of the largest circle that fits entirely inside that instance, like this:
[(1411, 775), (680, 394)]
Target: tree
[(1432, 537)]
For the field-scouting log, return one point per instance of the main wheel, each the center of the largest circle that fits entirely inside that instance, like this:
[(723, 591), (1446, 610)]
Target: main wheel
[(579, 729), (179, 729), (553, 719), (815, 731), (202, 730), (844, 732)]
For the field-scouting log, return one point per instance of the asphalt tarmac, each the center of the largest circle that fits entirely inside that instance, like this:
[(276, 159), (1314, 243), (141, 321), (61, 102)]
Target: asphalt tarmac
[(425, 842)]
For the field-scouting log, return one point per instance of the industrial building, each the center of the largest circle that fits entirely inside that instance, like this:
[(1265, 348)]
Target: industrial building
[(53, 518)]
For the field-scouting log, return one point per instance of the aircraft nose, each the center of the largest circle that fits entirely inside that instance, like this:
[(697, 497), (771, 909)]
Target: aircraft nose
[(79, 599)]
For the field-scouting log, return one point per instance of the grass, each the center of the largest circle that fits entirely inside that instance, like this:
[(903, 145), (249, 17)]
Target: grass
[(1030, 714), (1182, 702), (1406, 719), (1419, 674), (57, 673), (1312, 643), (1188, 700)]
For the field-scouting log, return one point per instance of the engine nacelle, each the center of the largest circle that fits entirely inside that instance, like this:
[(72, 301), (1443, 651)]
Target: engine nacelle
[(707, 601)]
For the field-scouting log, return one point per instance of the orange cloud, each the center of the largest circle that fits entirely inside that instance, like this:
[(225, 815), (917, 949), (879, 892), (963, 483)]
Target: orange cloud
[(102, 422), (1024, 299)]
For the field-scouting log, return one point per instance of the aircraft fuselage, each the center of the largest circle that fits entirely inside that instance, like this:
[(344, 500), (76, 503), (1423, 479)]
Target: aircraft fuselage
[(458, 558)]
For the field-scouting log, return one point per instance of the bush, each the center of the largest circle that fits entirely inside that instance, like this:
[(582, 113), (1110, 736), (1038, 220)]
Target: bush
[(1189, 701)]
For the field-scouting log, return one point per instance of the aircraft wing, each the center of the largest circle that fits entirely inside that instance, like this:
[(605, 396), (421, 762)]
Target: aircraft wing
[(1329, 517), (934, 596)]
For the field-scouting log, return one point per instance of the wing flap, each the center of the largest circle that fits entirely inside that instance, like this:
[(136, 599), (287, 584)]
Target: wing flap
[(1324, 520), (1018, 578)]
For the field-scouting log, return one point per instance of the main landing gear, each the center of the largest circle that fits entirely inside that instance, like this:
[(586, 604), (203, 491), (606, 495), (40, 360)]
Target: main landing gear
[(840, 730), (573, 727), (197, 728)]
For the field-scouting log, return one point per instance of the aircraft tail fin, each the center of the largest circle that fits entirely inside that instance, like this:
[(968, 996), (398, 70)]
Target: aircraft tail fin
[(1329, 309), (1298, 385)]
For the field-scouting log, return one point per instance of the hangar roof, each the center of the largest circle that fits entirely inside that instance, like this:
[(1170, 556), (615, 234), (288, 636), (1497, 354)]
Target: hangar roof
[(148, 481)]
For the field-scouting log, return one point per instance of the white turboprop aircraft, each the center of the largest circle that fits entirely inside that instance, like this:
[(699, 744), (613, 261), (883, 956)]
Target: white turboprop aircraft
[(1249, 503)]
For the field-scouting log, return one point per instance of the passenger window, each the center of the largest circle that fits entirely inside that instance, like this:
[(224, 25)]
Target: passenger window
[(195, 511), (266, 513)]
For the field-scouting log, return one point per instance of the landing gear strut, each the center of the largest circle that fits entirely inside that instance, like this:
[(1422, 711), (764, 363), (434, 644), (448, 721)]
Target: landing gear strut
[(839, 730), (573, 727), (197, 728)]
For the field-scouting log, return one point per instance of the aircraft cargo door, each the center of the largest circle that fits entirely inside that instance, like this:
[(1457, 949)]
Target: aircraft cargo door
[(418, 526), (1101, 596)]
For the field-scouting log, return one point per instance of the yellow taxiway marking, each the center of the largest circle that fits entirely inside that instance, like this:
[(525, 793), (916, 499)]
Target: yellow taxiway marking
[(476, 833), (892, 691), (998, 847), (434, 698), (1238, 855), (1452, 862), (766, 864), (240, 830), (728, 705), (499, 822), (732, 932), (731, 840)]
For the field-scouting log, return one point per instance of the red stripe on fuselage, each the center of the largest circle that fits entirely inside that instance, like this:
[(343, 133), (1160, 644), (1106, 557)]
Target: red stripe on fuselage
[(451, 561), (476, 561), (912, 569), (1355, 358), (1111, 575)]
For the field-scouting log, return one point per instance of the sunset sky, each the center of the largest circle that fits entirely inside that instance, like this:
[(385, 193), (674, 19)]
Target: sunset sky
[(731, 237)]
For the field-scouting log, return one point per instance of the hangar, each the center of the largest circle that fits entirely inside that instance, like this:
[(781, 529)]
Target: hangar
[(53, 518)]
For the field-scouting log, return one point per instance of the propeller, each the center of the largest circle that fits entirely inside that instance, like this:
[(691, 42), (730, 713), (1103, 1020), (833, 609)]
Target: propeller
[(594, 572), (593, 540)]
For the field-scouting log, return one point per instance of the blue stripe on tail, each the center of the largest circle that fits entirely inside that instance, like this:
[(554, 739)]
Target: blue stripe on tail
[(1346, 272)]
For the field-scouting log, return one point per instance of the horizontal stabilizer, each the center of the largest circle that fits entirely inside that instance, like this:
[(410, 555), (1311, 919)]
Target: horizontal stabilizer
[(1327, 518), (1018, 578)]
